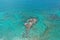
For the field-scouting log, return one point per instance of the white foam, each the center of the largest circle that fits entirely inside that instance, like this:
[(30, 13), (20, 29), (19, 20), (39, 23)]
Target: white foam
[(25, 23)]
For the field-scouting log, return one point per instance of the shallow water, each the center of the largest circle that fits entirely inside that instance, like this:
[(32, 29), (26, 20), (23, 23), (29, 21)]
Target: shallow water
[(14, 14)]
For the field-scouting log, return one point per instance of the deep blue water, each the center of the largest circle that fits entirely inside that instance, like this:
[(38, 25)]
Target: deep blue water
[(14, 13)]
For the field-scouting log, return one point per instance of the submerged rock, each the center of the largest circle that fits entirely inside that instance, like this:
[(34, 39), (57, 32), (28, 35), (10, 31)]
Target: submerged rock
[(30, 22)]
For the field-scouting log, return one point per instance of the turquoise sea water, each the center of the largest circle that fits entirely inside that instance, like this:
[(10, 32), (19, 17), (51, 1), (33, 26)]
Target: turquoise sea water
[(14, 13)]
